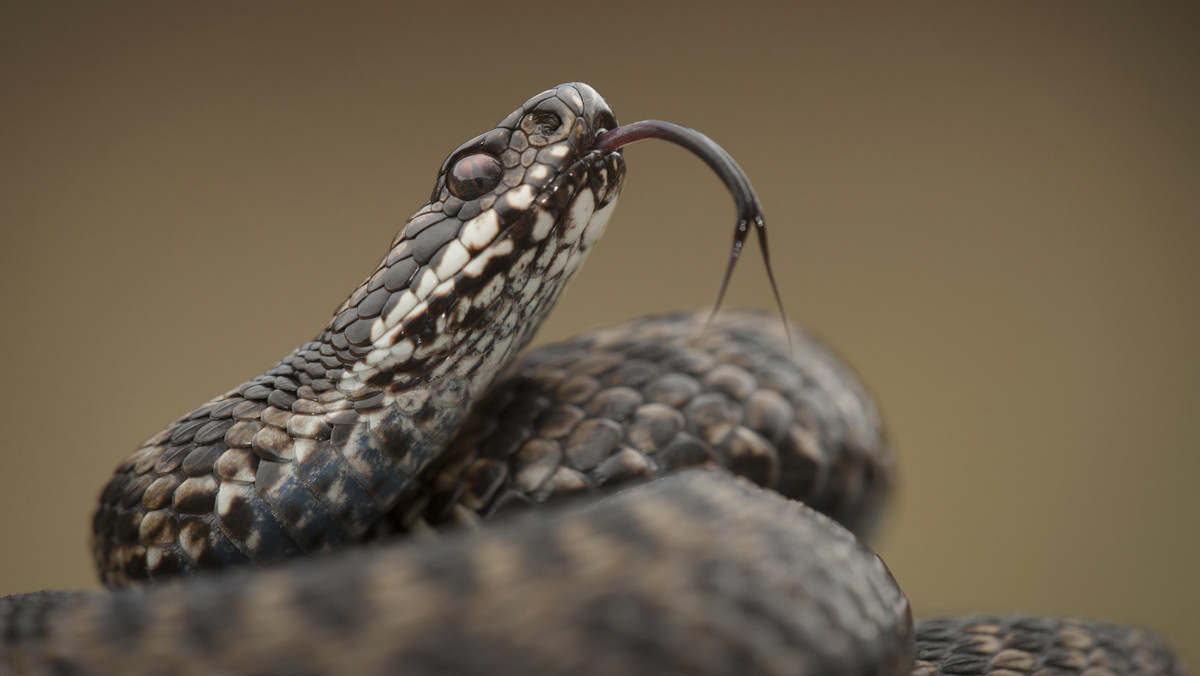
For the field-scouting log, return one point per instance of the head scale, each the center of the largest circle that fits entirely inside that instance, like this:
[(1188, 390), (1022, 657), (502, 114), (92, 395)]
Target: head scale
[(477, 269)]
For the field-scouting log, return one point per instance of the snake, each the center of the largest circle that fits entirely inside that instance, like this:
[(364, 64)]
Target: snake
[(682, 493)]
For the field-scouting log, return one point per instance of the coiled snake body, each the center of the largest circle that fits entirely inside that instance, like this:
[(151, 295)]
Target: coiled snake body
[(364, 434)]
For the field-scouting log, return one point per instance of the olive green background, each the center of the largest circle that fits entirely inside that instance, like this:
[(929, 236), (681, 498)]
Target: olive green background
[(991, 209)]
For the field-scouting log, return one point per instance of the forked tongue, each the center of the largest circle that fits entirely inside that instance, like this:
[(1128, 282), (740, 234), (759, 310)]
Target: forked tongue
[(749, 209)]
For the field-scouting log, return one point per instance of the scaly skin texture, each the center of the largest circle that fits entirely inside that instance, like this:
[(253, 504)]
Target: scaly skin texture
[(352, 438), (1045, 646), (692, 574), (311, 455), (654, 394)]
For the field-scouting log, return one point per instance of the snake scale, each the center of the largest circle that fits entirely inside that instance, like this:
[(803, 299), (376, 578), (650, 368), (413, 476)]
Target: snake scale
[(708, 478)]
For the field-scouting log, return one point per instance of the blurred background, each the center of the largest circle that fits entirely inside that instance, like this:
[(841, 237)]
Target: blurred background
[(991, 209)]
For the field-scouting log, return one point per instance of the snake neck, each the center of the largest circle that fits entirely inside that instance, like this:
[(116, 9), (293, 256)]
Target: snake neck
[(311, 454), (408, 412)]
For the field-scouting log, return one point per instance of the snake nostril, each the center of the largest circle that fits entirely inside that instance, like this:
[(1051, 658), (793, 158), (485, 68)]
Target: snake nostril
[(542, 123), (473, 175), (605, 121)]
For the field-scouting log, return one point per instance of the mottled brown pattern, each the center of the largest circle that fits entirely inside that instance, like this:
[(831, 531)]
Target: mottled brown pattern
[(1038, 646), (311, 455), (641, 399), (710, 570), (695, 573)]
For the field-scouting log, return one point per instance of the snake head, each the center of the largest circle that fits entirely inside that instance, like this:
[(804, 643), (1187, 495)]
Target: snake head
[(475, 271), (528, 151)]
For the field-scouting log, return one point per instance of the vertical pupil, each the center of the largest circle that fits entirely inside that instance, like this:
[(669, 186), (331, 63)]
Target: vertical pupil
[(474, 175)]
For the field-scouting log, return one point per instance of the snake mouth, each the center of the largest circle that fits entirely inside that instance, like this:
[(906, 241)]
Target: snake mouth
[(749, 207)]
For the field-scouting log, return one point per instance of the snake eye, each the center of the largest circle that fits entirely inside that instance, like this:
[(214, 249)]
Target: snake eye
[(473, 175)]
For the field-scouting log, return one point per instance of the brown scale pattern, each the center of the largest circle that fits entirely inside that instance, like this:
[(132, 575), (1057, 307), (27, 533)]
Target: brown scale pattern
[(163, 496), (289, 463), (642, 399), (1038, 646), (696, 573)]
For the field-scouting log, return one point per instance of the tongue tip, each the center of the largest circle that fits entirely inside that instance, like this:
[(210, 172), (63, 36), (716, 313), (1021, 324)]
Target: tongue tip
[(749, 208)]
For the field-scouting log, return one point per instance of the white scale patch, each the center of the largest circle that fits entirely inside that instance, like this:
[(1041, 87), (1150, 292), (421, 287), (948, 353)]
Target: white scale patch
[(303, 448), (508, 325), (559, 150), (337, 494), (418, 310), (519, 198), (492, 291), (530, 289), (481, 230), (542, 226), (461, 309), (224, 500), (398, 354), (384, 356), (408, 301), (476, 266), (442, 369), (580, 214), (465, 365), (429, 280), (574, 258), (596, 227), (557, 265), (538, 172), (453, 259), (547, 254), (524, 261), (352, 453)]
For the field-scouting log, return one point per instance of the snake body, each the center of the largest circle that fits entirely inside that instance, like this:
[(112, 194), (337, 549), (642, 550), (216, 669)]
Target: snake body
[(395, 420), (310, 455)]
